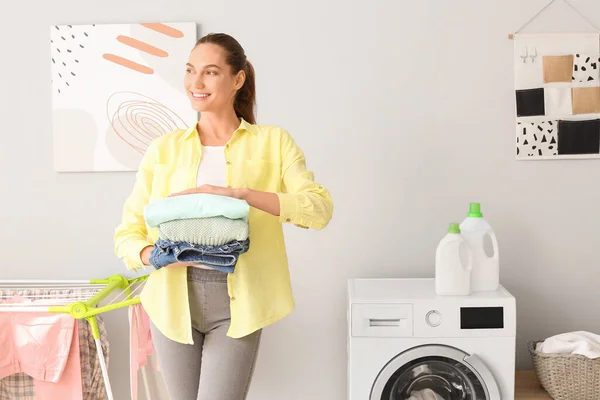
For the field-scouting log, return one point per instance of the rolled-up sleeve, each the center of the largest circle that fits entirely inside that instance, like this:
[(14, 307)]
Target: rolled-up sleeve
[(131, 235), (303, 201)]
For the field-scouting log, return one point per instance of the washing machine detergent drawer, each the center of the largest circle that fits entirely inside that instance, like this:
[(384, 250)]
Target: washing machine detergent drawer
[(382, 320)]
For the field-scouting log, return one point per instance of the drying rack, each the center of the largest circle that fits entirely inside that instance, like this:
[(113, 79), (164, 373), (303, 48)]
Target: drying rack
[(80, 305)]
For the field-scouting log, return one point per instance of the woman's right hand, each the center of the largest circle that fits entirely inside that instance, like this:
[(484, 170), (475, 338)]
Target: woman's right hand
[(145, 256)]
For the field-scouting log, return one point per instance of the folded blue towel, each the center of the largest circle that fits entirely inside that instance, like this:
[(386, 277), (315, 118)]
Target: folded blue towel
[(200, 205)]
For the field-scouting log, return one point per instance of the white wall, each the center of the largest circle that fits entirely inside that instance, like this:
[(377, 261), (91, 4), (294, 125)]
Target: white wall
[(405, 111)]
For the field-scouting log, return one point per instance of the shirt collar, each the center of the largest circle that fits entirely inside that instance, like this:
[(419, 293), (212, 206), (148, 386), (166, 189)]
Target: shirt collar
[(244, 126)]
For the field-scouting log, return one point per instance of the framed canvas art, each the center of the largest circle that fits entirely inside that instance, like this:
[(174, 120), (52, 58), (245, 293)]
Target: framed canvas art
[(115, 88)]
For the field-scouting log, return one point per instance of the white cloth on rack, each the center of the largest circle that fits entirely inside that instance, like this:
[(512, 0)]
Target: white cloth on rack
[(425, 394), (580, 342)]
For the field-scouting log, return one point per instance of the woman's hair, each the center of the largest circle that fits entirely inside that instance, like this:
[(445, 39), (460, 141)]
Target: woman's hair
[(245, 99)]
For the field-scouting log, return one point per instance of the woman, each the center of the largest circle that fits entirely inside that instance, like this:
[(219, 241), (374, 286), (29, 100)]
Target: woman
[(206, 324)]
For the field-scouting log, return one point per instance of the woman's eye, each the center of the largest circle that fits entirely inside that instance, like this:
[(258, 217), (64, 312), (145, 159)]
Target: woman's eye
[(189, 71), (211, 72)]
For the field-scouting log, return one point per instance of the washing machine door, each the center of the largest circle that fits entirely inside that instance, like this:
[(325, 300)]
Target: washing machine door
[(435, 372)]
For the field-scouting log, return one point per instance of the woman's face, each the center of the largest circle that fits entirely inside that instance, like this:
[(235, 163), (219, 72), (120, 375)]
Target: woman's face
[(209, 82)]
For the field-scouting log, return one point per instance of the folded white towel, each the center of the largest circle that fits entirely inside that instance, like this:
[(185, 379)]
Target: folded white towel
[(425, 394), (581, 342)]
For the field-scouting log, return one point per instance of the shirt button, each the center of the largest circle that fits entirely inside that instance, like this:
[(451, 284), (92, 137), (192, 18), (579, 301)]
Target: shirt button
[(288, 220), (228, 163)]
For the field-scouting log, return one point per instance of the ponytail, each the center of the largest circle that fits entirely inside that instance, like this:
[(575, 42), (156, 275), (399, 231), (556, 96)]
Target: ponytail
[(245, 99)]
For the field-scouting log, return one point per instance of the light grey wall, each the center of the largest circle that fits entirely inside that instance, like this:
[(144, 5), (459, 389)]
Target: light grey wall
[(405, 111)]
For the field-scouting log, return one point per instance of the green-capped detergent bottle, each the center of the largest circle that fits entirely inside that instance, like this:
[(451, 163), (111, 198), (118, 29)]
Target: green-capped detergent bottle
[(453, 264), (486, 269)]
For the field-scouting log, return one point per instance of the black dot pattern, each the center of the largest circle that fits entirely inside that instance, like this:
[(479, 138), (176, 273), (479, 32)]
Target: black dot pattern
[(68, 44)]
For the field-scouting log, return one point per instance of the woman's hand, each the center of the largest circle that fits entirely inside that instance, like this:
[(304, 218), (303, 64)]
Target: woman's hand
[(238, 193), (265, 201), (145, 256)]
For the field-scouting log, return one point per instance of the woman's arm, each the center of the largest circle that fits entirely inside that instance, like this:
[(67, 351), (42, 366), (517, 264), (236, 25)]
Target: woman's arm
[(302, 201), (130, 236), (265, 201)]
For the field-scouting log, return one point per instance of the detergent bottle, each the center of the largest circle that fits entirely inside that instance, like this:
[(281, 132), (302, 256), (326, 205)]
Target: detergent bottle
[(453, 264), (482, 241)]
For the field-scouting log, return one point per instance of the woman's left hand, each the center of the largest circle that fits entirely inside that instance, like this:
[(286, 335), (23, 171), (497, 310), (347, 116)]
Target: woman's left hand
[(211, 189)]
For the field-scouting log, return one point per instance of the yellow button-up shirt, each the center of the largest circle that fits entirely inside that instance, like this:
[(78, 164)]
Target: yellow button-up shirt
[(259, 157)]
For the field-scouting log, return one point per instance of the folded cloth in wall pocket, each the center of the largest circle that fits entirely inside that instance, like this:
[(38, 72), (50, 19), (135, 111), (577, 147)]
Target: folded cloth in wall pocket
[(558, 68), (586, 100), (579, 137)]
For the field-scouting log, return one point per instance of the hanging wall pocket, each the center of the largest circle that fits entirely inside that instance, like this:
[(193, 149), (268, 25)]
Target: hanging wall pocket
[(557, 92)]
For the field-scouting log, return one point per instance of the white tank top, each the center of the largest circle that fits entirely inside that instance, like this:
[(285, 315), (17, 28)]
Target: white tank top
[(212, 166), (211, 171)]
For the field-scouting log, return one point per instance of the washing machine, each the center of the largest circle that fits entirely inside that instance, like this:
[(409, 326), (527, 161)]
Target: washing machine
[(407, 343)]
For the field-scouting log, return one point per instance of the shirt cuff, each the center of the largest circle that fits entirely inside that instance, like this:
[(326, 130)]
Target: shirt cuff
[(288, 207), (135, 258), (290, 211)]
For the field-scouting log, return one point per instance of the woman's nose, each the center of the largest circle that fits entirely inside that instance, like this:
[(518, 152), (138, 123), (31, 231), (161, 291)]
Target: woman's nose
[(199, 81)]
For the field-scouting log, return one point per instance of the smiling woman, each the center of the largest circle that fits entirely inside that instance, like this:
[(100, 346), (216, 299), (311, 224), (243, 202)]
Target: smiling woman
[(215, 78), (206, 324)]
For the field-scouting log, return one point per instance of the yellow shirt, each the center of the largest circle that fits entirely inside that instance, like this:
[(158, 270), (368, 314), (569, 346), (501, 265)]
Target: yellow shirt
[(259, 157)]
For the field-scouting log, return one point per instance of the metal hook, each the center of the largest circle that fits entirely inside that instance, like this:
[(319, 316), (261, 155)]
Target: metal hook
[(534, 56), (525, 56)]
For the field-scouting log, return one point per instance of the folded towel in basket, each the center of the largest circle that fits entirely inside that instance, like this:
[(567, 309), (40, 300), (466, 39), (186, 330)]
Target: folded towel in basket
[(581, 342)]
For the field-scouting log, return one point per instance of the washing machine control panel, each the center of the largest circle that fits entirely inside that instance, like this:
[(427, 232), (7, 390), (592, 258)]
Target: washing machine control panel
[(463, 319)]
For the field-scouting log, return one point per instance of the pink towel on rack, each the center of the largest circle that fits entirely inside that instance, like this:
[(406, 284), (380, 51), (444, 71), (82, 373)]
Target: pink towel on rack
[(42, 345), (140, 346), (69, 385)]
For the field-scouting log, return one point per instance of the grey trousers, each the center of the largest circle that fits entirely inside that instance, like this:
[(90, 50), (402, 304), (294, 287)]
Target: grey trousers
[(215, 367)]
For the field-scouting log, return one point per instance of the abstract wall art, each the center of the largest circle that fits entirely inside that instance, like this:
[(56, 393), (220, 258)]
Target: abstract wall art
[(115, 88)]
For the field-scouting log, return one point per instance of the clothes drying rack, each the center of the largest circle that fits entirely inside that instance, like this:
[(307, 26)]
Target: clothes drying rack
[(83, 305)]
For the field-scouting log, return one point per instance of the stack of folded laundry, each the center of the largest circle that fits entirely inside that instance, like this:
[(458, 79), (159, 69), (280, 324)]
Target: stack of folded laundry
[(199, 229)]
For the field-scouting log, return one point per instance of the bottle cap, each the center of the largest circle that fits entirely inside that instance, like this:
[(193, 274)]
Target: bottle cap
[(475, 210), (454, 228)]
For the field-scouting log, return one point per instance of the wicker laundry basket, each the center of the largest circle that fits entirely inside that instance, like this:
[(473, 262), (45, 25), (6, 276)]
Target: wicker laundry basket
[(567, 376)]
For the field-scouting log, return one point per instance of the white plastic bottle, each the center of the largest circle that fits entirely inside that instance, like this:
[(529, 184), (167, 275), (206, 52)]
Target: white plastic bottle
[(453, 264), (486, 267)]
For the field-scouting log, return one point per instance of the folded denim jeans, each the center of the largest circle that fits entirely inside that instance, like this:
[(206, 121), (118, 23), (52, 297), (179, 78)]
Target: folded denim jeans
[(222, 258)]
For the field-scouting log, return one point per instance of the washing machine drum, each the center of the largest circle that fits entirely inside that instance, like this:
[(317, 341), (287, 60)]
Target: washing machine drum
[(435, 373)]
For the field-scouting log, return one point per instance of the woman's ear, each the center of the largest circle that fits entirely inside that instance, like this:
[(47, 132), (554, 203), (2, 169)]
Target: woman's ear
[(240, 78)]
